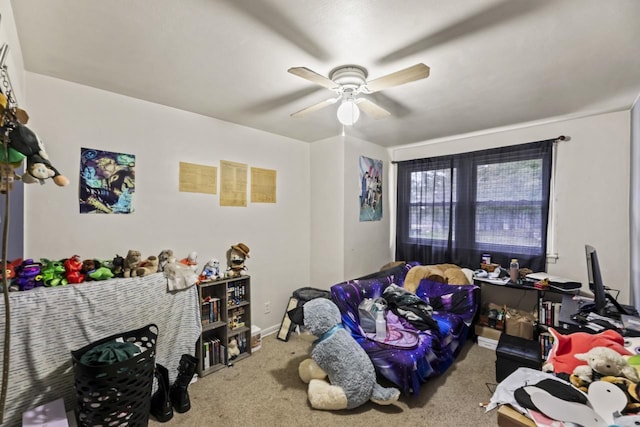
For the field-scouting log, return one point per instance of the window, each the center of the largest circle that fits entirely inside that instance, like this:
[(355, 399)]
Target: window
[(451, 209)]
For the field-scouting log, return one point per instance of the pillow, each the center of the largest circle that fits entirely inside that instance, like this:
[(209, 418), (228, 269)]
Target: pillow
[(561, 357)]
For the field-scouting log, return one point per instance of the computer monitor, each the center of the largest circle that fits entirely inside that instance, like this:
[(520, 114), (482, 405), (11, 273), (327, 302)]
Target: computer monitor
[(600, 295)]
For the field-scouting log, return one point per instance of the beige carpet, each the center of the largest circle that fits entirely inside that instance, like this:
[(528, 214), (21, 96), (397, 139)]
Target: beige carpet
[(265, 390)]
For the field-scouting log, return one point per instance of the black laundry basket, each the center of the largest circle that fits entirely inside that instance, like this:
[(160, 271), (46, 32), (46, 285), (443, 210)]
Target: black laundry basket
[(118, 394)]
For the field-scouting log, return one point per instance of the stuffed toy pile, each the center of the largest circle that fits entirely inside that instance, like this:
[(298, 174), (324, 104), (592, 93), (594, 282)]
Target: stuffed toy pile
[(338, 357)]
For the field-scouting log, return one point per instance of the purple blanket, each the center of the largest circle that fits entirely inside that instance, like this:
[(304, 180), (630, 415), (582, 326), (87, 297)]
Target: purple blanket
[(409, 356)]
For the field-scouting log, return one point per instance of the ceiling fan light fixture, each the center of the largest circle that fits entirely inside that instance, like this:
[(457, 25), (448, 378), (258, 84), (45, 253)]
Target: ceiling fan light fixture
[(348, 113)]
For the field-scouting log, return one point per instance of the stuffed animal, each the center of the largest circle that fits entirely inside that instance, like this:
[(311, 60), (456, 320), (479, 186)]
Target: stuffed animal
[(131, 263), (337, 355), (148, 266), (236, 257), (232, 349), (605, 362), (39, 168), (53, 273), (73, 269), (211, 271), (117, 266), (95, 270), (163, 257), (28, 275), (191, 260), (101, 273), (179, 276)]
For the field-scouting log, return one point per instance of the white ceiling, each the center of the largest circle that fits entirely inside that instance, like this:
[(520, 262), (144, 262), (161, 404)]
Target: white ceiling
[(493, 62)]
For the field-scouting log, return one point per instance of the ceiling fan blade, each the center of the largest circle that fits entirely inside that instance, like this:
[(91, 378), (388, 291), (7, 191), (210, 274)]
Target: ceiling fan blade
[(415, 72), (313, 77), (372, 109), (315, 107)]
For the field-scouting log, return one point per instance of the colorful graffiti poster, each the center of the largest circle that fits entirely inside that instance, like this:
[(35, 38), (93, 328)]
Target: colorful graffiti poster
[(107, 182), (370, 189)]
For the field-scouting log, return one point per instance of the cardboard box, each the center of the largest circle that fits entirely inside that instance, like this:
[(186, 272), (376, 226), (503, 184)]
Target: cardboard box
[(509, 417), (519, 323), (487, 332), (492, 315)]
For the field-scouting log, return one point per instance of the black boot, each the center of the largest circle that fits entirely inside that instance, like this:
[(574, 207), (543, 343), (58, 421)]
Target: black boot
[(160, 402), (178, 393)]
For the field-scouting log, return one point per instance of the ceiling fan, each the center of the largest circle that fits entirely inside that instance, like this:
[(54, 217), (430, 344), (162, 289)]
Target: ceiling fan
[(349, 81)]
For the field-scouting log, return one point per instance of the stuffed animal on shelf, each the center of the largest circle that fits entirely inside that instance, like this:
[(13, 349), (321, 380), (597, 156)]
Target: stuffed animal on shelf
[(131, 263), (163, 257), (232, 349), (337, 355), (73, 269), (236, 257), (38, 168), (604, 361), (211, 271), (148, 266)]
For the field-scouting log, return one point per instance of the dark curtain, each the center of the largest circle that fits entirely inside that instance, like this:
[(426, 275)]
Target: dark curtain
[(453, 209)]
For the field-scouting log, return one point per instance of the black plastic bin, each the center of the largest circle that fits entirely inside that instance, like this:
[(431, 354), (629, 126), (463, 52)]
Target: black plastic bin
[(118, 394)]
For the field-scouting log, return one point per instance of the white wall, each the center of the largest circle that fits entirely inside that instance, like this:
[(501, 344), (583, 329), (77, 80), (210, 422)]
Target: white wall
[(634, 223), (592, 188), (327, 213), (14, 63), (68, 116), (342, 247), (366, 244)]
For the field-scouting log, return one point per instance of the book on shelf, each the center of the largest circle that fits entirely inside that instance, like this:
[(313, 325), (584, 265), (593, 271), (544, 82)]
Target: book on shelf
[(205, 312), (206, 362)]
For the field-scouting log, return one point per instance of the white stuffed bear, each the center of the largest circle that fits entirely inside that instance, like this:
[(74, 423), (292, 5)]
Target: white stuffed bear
[(606, 362), (336, 355)]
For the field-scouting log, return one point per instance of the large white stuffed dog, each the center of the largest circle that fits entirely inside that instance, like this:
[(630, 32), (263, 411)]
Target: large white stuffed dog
[(336, 355)]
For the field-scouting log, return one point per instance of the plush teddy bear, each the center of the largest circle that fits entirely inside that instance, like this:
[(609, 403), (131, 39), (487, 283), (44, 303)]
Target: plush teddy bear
[(337, 355), (604, 361), (131, 263), (148, 266), (236, 257)]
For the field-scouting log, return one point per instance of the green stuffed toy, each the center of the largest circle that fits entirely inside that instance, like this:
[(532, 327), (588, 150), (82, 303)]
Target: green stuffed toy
[(53, 273)]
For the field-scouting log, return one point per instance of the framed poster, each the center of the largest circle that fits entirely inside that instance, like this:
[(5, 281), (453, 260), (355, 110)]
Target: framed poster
[(370, 189)]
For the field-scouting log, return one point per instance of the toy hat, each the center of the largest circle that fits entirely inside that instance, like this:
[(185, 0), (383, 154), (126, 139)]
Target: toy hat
[(242, 248)]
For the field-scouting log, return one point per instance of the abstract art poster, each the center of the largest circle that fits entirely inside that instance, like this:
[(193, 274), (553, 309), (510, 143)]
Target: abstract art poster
[(370, 189), (107, 181)]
